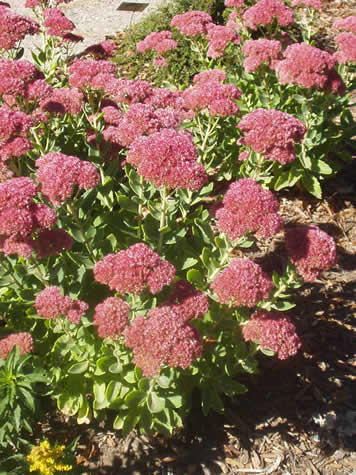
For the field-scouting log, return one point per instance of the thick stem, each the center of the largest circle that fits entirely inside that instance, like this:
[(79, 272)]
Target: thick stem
[(162, 221)]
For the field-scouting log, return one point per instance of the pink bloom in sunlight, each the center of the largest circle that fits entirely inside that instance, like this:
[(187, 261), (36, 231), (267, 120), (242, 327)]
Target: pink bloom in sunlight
[(192, 23), (160, 62), (111, 317), (242, 283), (247, 207), (14, 28), (272, 133), (346, 24), (210, 75), (188, 301), (22, 246), (50, 303), (62, 101), (261, 51), (17, 192), (234, 3), (82, 71), (51, 242), (162, 339), (24, 341), (346, 43), (135, 270), (218, 38), (168, 157), (265, 12), (56, 22), (273, 331), (316, 4), (311, 250), (160, 41)]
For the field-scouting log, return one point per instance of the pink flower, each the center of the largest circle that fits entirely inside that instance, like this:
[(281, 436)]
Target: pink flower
[(112, 115), (24, 341), (247, 207), (346, 43), (43, 216), (103, 50), (187, 301), (265, 12), (14, 28), (192, 23), (161, 42), (22, 246), (273, 331), (13, 123), (82, 71), (63, 100), (111, 317), (59, 173), (272, 133), (261, 51), (160, 62), (50, 303), (32, 3), (305, 65), (56, 22), (209, 75), (234, 3), (75, 310), (162, 339), (218, 38), (316, 4), (134, 270), (38, 89), (346, 24), (311, 250), (17, 192), (169, 158), (242, 283), (51, 242)]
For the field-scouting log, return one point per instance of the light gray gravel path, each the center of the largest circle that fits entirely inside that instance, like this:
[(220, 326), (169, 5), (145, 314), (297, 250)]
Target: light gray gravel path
[(95, 20)]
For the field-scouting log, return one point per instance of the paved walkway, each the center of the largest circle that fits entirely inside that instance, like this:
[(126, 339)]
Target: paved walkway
[(94, 19)]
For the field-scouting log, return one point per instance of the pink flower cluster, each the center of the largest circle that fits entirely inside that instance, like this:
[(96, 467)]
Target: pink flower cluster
[(135, 270), (63, 100), (261, 51), (160, 41), (311, 250), (242, 283), (111, 317), (24, 341), (14, 128), (346, 43), (14, 28), (159, 62), (169, 158), (218, 38), (162, 339), (15, 77), (272, 133), (346, 24), (187, 301), (316, 4), (123, 91), (273, 331), (192, 23), (265, 12), (247, 207), (50, 303), (103, 50), (210, 75), (306, 66), (82, 71), (58, 174), (212, 95), (56, 22), (234, 3)]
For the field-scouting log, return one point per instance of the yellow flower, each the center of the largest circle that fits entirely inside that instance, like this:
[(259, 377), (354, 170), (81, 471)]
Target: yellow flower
[(46, 459)]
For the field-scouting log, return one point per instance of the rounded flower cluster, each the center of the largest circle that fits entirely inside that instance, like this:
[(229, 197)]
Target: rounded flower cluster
[(168, 157), (311, 250), (316, 4), (63, 100), (23, 340), (160, 41), (59, 173), (261, 51), (51, 242), (272, 133), (162, 339), (135, 270), (102, 50), (218, 38), (305, 65), (273, 331), (124, 91), (212, 95), (50, 303), (14, 128), (242, 283), (82, 71), (14, 28), (56, 22), (265, 12), (187, 301), (159, 62), (234, 3), (111, 317), (346, 24), (192, 23), (15, 76), (210, 75), (346, 43), (163, 98), (247, 207)]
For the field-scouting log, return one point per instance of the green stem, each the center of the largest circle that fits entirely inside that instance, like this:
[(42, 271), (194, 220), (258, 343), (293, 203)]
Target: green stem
[(162, 221)]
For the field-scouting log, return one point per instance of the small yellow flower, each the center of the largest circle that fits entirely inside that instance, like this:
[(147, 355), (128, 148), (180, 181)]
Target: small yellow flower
[(46, 459)]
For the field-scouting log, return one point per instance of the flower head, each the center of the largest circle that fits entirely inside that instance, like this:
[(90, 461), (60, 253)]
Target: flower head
[(82, 71), (210, 75), (50, 303), (187, 301), (247, 207), (346, 43), (346, 24), (265, 12), (273, 331), (14, 28), (134, 270), (192, 23), (234, 3), (56, 22), (24, 341), (243, 282), (111, 317), (218, 38), (63, 100), (311, 250), (160, 41), (272, 133), (316, 4), (51, 242), (261, 51)]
